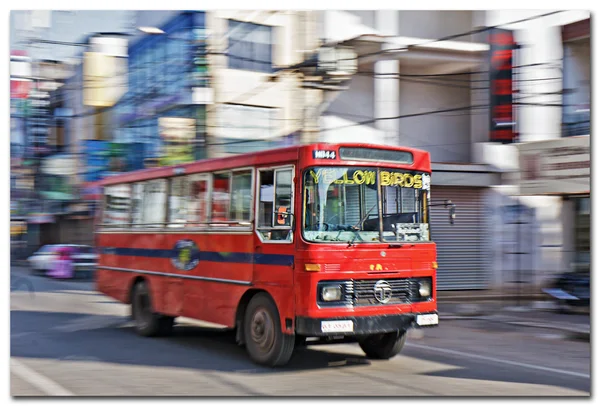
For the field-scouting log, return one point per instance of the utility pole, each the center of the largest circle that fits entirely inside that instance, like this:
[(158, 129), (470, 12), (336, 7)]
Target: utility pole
[(325, 74)]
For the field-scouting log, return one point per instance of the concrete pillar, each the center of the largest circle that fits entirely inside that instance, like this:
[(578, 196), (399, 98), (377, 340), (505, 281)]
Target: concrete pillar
[(387, 88)]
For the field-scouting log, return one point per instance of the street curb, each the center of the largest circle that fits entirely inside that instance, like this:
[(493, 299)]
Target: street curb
[(579, 336), (570, 333)]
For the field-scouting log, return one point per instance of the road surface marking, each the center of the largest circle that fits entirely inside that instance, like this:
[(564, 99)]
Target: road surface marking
[(41, 382), (500, 361)]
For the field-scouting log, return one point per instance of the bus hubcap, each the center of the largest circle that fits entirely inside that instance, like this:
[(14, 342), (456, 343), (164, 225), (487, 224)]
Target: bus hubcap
[(262, 330)]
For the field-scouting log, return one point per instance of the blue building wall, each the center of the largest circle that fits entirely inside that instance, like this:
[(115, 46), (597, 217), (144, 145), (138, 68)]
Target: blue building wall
[(163, 69)]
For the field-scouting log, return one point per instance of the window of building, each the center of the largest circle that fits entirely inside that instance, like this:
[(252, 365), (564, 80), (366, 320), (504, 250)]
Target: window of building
[(171, 67), (117, 204), (250, 46), (582, 233), (241, 185), (154, 203), (244, 123), (275, 196)]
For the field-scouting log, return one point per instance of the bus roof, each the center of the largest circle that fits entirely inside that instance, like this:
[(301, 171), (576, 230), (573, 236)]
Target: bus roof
[(267, 157)]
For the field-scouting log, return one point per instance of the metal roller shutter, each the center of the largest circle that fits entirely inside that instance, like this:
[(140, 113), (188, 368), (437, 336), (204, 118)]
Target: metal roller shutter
[(461, 253), (352, 209)]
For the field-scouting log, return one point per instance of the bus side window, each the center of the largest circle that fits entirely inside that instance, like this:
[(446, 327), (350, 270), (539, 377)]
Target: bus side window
[(274, 197), (177, 201), (136, 204), (241, 202), (197, 209), (117, 201), (220, 197), (266, 196), (154, 203)]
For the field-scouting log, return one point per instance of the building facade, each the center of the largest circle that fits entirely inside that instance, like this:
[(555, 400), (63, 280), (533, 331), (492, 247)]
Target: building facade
[(424, 82), (553, 106), (197, 85), (434, 91), (203, 84)]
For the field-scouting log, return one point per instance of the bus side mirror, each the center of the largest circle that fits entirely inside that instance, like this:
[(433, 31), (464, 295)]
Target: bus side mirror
[(283, 213)]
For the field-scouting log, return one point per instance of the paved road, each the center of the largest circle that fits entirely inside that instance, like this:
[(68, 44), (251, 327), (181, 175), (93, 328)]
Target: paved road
[(67, 339)]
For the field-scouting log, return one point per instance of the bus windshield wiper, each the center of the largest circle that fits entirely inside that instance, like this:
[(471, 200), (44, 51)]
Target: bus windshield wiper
[(354, 228)]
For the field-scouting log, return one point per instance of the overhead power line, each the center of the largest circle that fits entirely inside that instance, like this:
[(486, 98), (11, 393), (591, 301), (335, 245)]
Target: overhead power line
[(454, 36)]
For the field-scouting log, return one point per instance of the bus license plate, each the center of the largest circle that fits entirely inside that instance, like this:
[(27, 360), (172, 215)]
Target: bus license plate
[(337, 326), (427, 319)]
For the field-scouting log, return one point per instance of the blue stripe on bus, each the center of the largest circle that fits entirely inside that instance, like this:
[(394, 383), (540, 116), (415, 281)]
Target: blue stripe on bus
[(138, 252), (273, 259), (212, 256), (225, 257)]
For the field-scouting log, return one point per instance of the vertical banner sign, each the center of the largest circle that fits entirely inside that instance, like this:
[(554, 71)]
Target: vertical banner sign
[(502, 119)]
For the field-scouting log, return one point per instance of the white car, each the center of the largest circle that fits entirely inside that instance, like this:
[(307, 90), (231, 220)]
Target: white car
[(84, 258)]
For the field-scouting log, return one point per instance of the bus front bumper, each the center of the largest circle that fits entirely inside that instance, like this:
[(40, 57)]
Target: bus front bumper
[(317, 327)]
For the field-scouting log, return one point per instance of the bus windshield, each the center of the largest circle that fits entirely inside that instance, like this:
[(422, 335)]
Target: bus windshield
[(342, 204)]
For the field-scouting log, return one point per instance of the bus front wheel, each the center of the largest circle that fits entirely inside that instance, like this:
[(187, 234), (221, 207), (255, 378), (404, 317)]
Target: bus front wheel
[(265, 342), (383, 346), (147, 322)]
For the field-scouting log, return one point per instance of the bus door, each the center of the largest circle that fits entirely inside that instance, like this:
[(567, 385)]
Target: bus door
[(274, 237)]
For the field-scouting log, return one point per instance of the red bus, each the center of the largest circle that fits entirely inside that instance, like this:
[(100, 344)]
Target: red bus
[(315, 243)]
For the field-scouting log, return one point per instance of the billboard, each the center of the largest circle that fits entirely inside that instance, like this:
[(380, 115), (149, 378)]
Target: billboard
[(502, 115), (555, 167), (60, 165), (19, 88), (178, 135)]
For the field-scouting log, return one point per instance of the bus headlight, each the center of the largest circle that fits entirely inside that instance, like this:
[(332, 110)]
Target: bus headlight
[(425, 288), (331, 293)]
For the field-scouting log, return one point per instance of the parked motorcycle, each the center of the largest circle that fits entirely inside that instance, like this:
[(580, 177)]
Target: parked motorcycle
[(571, 290)]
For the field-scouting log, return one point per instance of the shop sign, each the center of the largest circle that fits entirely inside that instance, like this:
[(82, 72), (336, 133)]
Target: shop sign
[(62, 165), (557, 167), (502, 118), (178, 136), (18, 227)]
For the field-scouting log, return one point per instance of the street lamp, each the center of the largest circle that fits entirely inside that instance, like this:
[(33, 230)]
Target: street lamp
[(151, 30)]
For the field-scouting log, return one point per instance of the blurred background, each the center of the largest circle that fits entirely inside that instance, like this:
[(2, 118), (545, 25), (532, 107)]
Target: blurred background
[(500, 99)]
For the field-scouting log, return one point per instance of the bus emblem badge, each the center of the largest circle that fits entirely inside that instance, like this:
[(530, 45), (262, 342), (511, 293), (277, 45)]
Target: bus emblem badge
[(185, 255), (382, 291)]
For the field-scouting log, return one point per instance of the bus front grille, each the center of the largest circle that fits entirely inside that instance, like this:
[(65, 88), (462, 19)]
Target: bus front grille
[(371, 292)]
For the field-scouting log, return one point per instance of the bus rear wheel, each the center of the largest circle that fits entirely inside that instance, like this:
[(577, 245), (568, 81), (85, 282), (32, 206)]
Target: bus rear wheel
[(265, 342), (383, 346), (147, 322)]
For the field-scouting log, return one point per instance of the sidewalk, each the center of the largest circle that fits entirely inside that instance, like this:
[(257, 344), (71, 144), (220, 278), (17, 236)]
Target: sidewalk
[(533, 314)]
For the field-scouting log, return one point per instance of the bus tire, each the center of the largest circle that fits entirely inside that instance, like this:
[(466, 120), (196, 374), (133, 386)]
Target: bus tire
[(147, 322), (384, 345), (266, 344)]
